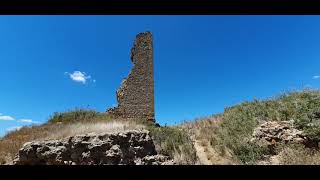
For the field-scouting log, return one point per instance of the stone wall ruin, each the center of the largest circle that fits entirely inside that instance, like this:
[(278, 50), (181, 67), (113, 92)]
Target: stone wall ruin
[(136, 94)]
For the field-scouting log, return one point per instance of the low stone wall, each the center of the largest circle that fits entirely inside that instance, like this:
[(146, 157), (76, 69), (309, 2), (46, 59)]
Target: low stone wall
[(124, 148)]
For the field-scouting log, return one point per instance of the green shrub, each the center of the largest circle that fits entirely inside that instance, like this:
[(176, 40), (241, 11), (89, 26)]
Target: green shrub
[(173, 142), (310, 124), (235, 131), (78, 115), (72, 116), (250, 153)]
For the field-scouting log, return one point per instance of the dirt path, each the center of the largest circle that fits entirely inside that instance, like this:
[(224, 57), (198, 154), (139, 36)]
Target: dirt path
[(208, 156), (201, 153)]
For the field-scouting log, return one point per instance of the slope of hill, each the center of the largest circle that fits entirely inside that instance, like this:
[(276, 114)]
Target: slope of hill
[(230, 133), (286, 127)]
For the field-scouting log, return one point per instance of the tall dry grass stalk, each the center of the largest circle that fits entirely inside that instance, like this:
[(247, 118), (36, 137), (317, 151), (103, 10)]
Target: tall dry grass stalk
[(99, 127)]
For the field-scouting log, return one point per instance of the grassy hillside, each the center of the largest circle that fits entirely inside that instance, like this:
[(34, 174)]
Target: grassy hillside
[(218, 139), (230, 132)]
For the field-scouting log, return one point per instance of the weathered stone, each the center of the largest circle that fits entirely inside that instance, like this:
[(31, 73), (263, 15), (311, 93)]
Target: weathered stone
[(274, 132), (136, 95), (157, 160), (126, 148)]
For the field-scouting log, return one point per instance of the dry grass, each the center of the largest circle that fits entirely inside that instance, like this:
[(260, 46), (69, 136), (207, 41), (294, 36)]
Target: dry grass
[(174, 142), (203, 131), (183, 157), (202, 128), (299, 156), (99, 127)]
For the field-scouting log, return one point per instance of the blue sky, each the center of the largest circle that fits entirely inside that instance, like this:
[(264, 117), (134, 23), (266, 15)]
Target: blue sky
[(202, 63)]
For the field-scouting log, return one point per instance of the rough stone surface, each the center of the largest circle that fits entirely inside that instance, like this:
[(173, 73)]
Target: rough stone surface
[(278, 131), (136, 95), (126, 148), (273, 132)]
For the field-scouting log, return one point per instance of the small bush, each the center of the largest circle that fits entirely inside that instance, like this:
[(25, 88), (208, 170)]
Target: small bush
[(74, 116), (175, 143), (250, 153)]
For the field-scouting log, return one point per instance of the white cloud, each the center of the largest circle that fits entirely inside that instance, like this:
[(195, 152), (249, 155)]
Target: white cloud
[(14, 128), (316, 77), (78, 76), (6, 118), (28, 121)]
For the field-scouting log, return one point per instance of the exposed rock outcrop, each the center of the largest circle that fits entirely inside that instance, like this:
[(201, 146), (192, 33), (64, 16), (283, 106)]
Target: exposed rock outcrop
[(274, 132), (124, 148), (136, 95), (278, 131)]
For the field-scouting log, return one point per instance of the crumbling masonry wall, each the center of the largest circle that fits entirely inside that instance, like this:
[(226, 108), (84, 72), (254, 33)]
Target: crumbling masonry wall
[(136, 95)]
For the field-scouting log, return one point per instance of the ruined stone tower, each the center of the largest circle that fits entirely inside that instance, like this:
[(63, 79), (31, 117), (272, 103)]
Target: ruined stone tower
[(136, 95)]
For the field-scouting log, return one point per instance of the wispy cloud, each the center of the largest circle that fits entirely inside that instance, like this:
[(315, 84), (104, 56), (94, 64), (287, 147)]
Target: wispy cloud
[(28, 121), (14, 128), (6, 118), (316, 77), (79, 76)]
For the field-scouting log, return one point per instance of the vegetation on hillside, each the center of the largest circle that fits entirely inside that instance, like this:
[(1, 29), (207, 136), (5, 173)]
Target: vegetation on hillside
[(228, 133), (78, 115), (240, 120), (236, 124), (174, 142)]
